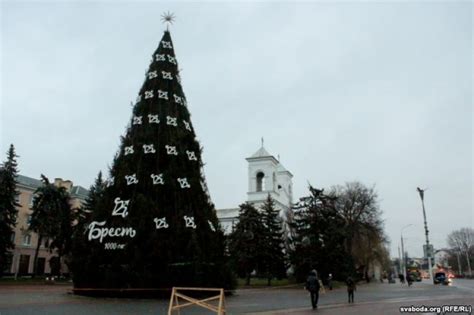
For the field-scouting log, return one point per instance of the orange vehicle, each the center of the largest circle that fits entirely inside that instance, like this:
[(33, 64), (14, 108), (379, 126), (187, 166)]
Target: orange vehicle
[(415, 273)]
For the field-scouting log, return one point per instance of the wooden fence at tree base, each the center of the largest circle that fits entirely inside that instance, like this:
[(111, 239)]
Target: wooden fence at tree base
[(219, 309)]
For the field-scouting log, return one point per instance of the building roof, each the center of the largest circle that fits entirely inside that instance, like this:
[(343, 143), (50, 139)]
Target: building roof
[(261, 153), (281, 168), (79, 191), (28, 181), (227, 213), (33, 183)]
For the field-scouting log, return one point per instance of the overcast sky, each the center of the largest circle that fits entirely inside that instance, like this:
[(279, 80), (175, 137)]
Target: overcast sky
[(376, 92)]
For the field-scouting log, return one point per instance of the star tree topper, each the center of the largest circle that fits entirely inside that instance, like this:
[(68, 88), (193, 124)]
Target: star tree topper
[(168, 18)]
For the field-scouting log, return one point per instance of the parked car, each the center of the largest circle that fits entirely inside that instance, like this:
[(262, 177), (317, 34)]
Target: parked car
[(441, 278)]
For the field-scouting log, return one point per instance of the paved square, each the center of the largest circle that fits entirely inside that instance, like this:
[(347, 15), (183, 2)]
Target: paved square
[(377, 298)]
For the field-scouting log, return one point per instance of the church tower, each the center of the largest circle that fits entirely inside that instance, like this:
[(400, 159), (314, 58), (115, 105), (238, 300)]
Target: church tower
[(266, 175)]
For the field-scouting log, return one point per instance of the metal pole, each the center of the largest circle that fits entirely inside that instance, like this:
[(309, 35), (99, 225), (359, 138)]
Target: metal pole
[(428, 252), (404, 268), (404, 258), (400, 261)]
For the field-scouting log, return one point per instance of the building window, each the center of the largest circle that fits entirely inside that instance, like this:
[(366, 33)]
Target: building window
[(260, 181), (32, 199), (17, 198), (27, 240)]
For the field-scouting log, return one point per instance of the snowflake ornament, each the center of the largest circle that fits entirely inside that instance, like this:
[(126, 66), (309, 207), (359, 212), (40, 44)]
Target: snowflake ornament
[(211, 226), (171, 150), (129, 150), (161, 223), (157, 179), (187, 125), (191, 155), (137, 120), (177, 99), (139, 98), (166, 75), (148, 94), (131, 179), (178, 78), (167, 44), (171, 59), (153, 119), (160, 57), (183, 182), (189, 222), (172, 121), (162, 94), (148, 148), (152, 75), (121, 207)]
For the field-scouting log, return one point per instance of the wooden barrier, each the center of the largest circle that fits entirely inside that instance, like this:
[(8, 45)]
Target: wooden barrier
[(219, 309), (321, 287)]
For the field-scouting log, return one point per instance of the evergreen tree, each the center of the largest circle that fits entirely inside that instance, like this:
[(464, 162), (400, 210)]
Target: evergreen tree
[(155, 225), (51, 218), (247, 242), (62, 230), (273, 254), (8, 204), (320, 238), (83, 217), (96, 192)]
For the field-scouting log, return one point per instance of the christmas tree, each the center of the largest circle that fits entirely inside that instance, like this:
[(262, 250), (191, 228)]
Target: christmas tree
[(154, 225)]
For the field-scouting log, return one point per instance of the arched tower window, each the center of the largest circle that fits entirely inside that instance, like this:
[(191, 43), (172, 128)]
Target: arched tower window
[(260, 181)]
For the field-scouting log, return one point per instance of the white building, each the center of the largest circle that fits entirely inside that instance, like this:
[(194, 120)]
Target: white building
[(266, 175)]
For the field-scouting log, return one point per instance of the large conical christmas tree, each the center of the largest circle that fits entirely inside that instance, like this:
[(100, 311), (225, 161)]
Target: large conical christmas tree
[(155, 226)]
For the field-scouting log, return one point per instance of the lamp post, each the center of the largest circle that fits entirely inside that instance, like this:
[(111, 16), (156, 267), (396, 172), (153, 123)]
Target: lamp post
[(400, 261), (428, 248), (404, 268)]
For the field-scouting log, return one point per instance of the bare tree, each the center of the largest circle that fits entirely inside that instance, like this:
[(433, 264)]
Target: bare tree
[(462, 241), (359, 207)]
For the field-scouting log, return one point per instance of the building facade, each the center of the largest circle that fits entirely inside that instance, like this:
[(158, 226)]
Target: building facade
[(25, 240), (266, 176)]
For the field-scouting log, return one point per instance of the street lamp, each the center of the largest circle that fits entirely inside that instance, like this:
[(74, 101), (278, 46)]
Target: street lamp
[(428, 247), (404, 269)]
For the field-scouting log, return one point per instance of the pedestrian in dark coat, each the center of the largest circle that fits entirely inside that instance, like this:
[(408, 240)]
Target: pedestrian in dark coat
[(402, 278), (330, 281), (351, 287), (312, 285)]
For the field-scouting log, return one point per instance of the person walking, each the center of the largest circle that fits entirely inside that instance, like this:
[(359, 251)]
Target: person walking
[(313, 286), (409, 279), (330, 281), (351, 287), (402, 278)]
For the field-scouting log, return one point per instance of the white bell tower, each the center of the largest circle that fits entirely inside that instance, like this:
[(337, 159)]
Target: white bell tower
[(266, 175)]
